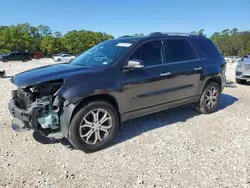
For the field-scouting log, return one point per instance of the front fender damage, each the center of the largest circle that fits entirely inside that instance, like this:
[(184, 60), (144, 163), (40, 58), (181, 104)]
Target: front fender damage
[(39, 108)]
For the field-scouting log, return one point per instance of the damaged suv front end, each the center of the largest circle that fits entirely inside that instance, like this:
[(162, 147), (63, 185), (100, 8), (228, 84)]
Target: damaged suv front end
[(37, 107)]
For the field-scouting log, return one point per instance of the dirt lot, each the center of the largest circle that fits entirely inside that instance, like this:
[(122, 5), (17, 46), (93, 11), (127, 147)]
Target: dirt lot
[(175, 148)]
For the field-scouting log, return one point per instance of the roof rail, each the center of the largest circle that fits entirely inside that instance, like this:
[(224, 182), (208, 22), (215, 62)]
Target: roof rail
[(173, 33), (124, 36)]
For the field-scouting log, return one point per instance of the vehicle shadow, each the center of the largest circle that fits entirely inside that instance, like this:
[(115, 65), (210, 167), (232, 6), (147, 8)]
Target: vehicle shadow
[(7, 77), (44, 140), (135, 127)]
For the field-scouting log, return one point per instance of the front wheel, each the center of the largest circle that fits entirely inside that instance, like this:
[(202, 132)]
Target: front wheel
[(94, 126), (210, 98)]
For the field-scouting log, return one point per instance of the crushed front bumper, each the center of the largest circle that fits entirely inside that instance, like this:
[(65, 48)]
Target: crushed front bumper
[(21, 117)]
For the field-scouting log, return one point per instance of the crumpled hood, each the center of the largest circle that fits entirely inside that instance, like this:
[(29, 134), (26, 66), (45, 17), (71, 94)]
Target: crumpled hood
[(49, 73)]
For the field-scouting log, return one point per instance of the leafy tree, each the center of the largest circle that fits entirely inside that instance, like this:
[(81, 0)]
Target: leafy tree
[(24, 37), (58, 34), (44, 30), (232, 42), (50, 45)]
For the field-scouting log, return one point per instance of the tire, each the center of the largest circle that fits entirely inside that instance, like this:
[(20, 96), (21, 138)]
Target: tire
[(239, 81), (2, 74), (59, 60), (74, 128), (202, 105)]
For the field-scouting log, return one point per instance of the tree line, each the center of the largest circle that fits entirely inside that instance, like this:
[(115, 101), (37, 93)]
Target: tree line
[(24, 37), (27, 38)]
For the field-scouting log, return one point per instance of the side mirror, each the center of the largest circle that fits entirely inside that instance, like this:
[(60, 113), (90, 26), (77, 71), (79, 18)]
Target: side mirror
[(134, 64)]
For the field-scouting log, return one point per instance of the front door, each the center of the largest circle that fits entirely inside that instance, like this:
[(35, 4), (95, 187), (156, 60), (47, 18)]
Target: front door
[(146, 87)]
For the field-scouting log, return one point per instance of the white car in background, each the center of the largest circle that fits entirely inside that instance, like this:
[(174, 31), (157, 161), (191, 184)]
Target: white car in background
[(64, 58), (228, 59), (236, 59), (242, 73), (232, 59), (2, 70)]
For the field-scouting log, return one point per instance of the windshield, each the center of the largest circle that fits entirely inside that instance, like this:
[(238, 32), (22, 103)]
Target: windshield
[(103, 54)]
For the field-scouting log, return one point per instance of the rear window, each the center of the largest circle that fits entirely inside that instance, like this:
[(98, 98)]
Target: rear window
[(180, 50), (208, 48)]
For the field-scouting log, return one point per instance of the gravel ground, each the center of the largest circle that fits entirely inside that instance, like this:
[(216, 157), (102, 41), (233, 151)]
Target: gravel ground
[(175, 148)]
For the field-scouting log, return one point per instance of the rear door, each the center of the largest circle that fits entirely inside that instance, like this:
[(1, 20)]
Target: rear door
[(185, 68), (19, 56)]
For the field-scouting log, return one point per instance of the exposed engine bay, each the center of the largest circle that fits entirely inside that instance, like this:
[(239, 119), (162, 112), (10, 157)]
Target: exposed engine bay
[(40, 107)]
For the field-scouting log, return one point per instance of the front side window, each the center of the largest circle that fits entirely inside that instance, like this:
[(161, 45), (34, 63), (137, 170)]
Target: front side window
[(151, 53), (180, 50), (103, 54)]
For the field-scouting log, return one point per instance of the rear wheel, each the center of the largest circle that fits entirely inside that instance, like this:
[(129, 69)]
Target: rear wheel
[(94, 126), (210, 98), (59, 60), (239, 81)]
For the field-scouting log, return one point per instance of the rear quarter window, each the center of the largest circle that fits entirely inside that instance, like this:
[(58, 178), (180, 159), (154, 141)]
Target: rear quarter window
[(208, 48)]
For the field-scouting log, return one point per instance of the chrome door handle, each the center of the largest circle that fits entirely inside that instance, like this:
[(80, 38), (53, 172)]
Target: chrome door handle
[(198, 68), (165, 74)]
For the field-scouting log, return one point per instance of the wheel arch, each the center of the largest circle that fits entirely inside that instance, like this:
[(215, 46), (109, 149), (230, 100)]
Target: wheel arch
[(217, 79), (98, 97)]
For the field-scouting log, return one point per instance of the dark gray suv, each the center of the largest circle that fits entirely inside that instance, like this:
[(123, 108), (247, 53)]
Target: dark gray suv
[(86, 100)]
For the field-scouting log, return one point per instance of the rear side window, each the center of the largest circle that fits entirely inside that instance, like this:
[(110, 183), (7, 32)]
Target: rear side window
[(180, 50), (208, 48)]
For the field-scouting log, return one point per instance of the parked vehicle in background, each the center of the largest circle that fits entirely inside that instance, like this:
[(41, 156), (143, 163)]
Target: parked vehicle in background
[(2, 70), (232, 59), (61, 54), (38, 55), (27, 55), (245, 57), (242, 72), (16, 56), (228, 59), (63, 58), (236, 59), (1, 55), (87, 99)]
